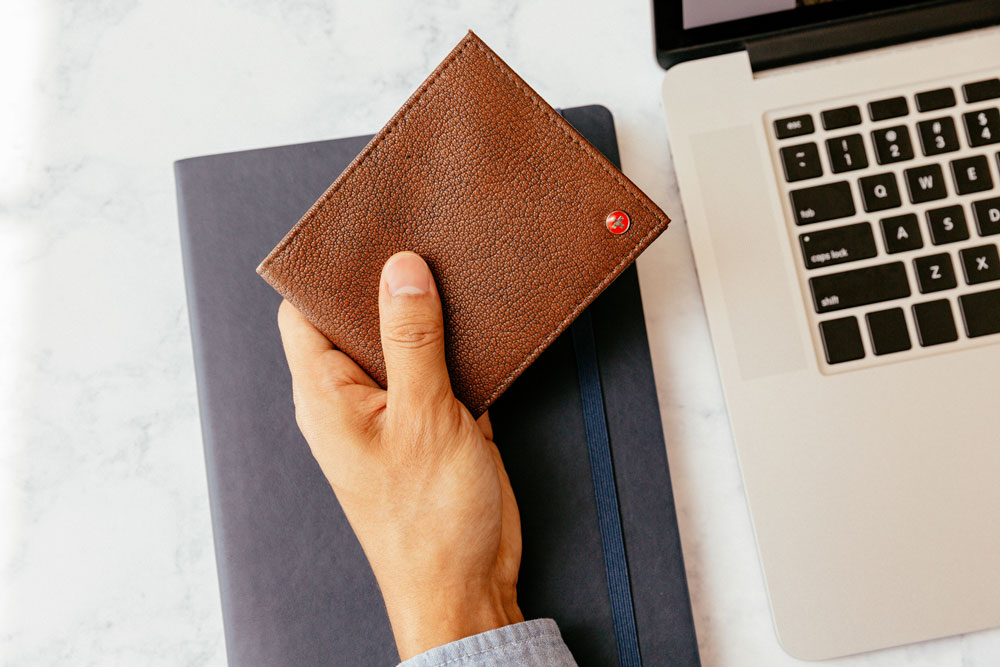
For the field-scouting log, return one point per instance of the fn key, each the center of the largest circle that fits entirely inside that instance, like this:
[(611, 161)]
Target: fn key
[(841, 340)]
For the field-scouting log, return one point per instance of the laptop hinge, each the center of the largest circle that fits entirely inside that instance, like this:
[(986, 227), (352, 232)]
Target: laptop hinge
[(871, 31)]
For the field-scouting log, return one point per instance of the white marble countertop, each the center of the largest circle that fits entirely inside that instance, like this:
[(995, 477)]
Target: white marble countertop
[(105, 542)]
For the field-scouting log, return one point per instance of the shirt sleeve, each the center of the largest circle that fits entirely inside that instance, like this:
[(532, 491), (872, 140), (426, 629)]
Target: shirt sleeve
[(529, 644)]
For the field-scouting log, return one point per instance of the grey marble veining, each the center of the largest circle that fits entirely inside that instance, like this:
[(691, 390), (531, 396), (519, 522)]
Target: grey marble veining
[(105, 542)]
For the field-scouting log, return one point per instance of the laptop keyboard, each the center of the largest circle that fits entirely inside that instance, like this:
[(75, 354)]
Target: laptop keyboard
[(893, 204)]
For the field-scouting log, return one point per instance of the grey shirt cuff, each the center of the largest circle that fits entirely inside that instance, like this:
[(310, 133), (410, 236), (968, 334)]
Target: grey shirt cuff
[(525, 644)]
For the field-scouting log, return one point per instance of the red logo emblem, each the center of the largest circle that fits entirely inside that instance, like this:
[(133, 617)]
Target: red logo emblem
[(617, 222)]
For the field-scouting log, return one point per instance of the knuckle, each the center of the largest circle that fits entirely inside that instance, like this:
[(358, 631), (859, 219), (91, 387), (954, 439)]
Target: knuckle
[(414, 333)]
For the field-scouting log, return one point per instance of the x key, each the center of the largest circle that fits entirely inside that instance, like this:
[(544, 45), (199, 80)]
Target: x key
[(981, 264)]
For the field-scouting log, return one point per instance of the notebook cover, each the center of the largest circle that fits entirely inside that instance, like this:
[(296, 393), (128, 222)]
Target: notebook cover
[(295, 586), (502, 197)]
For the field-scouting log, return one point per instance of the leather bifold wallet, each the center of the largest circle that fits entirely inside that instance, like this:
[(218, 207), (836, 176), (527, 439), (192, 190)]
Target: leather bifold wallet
[(521, 221)]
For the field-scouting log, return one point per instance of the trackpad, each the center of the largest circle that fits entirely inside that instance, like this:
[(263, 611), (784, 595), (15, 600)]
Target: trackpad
[(758, 291)]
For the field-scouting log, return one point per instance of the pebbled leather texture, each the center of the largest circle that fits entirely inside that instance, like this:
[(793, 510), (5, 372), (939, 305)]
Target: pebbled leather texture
[(505, 201)]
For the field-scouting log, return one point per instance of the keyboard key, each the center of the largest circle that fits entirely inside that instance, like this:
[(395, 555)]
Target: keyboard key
[(834, 119), (981, 313), (879, 192), (982, 127), (981, 90), (841, 340), (892, 144), (887, 329), (981, 264), (822, 202), (971, 174), (847, 153), (934, 273), (801, 162), (901, 233), (793, 127), (947, 224), (859, 287), (890, 108), (987, 214), (937, 136), (838, 245), (925, 183), (935, 325), (932, 100)]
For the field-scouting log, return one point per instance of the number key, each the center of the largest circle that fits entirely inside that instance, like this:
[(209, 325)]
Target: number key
[(934, 273), (937, 136), (982, 127), (846, 153), (892, 144), (947, 224)]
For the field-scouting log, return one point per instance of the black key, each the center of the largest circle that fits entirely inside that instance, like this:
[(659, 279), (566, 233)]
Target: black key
[(947, 224), (925, 183), (887, 329), (841, 340), (879, 192), (935, 325), (981, 90), (892, 144), (981, 264), (847, 153), (981, 313), (971, 174), (934, 273), (901, 233), (793, 127), (890, 108), (834, 119), (987, 214), (931, 100), (823, 202), (838, 245), (859, 287), (937, 136), (801, 162), (982, 127)]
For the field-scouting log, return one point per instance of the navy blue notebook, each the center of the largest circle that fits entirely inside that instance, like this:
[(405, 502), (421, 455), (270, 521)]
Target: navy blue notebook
[(295, 586)]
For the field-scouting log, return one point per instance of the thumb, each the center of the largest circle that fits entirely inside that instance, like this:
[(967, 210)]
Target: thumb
[(412, 331)]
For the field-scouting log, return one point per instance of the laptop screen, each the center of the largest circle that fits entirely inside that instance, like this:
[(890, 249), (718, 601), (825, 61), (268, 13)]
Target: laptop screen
[(698, 13)]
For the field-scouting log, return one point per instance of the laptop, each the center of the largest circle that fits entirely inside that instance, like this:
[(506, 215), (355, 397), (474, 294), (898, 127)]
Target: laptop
[(839, 167)]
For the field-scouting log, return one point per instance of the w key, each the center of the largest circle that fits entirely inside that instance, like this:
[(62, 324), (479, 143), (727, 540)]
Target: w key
[(925, 183)]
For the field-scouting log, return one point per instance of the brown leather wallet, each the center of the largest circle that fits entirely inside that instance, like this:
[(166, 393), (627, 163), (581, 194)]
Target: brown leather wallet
[(522, 222)]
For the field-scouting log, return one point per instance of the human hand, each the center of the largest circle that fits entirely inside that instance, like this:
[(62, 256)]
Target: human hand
[(419, 479)]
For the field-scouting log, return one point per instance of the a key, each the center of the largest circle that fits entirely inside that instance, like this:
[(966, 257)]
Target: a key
[(987, 214), (932, 100), (888, 332), (859, 287), (981, 313), (934, 273), (834, 119), (892, 144), (982, 127), (935, 324), (971, 174), (785, 128), (841, 340), (879, 192), (925, 183), (937, 136), (801, 162), (947, 224), (822, 202), (837, 245), (901, 233), (890, 108), (981, 264), (847, 153), (981, 90)]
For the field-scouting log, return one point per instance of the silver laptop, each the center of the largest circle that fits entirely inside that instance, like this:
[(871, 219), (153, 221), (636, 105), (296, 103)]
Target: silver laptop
[(839, 166)]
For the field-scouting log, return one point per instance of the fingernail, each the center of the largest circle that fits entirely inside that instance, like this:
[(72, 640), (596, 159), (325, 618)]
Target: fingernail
[(406, 273)]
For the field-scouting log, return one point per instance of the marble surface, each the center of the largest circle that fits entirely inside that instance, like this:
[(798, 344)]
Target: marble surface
[(105, 542)]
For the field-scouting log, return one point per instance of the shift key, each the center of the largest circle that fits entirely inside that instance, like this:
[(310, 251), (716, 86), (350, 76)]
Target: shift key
[(860, 287), (822, 202)]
